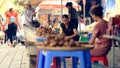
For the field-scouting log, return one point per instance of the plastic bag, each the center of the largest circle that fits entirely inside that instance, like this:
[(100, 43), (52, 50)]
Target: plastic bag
[(20, 34)]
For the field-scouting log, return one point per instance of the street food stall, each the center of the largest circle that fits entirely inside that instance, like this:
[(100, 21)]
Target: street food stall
[(55, 8)]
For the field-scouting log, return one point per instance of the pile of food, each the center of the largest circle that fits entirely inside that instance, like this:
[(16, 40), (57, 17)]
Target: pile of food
[(59, 41), (43, 31), (54, 39)]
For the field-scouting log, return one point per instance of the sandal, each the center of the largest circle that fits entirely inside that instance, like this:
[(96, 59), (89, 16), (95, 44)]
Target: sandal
[(14, 43)]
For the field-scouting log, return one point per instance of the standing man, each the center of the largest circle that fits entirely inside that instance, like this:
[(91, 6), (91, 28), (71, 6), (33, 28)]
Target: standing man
[(26, 20), (72, 14), (28, 13)]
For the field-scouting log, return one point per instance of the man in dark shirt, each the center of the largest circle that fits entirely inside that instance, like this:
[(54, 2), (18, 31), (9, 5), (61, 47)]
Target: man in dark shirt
[(72, 14)]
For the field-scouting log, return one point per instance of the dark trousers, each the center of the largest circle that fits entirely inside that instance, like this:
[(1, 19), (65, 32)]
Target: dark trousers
[(10, 33), (75, 22), (11, 37)]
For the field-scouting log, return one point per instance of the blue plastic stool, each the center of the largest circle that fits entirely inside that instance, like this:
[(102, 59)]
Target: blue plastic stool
[(40, 60), (74, 59), (64, 61), (83, 55)]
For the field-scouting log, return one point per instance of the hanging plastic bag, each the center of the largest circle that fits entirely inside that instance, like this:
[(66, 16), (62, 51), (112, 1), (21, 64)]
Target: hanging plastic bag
[(20, 34)]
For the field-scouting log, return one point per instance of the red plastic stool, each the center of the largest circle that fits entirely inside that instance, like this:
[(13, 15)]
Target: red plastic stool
[(55, 65), (101, 58)]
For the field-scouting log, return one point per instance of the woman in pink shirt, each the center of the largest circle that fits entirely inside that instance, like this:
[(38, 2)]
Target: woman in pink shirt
[(101, 45)]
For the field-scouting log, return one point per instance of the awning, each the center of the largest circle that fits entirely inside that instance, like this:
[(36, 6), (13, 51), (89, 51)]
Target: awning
[(56, 4)]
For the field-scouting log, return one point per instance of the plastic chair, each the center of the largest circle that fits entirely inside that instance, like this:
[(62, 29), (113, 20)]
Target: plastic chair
[(83, 55), (101, 58)]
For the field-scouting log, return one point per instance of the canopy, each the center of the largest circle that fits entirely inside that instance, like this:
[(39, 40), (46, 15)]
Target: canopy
[(56, 4)]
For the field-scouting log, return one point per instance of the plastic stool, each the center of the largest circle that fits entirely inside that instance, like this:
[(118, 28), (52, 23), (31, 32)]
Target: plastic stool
[(101, 58), (50, 54), (64, 61), (55, 65), (75, 60)]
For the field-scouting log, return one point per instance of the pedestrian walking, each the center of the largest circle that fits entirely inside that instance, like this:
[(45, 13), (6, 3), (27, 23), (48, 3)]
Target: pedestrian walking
[(11, 24)]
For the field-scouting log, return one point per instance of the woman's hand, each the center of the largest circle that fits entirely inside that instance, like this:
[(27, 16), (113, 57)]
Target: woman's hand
[(90, 42)]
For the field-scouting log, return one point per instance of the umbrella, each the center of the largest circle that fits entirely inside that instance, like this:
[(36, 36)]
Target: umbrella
[(56, 4)]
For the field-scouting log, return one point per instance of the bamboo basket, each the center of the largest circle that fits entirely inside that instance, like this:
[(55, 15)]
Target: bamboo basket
[(30, 39)]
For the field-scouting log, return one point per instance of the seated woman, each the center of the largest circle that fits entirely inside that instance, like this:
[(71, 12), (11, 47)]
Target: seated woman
[(68, 29), (101, 45)]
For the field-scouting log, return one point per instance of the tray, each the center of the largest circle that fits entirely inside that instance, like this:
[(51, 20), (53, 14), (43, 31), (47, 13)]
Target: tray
[(38, 43), (83, 47), (29, 42)]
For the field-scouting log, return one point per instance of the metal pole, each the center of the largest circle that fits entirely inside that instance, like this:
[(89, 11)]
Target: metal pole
[(79, 24), (78, 5), (84, 13), (61, 8), (79, 17), (112, 59)]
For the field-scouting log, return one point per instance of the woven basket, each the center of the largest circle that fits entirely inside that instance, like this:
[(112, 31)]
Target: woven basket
[(29, 42), (32, 50)]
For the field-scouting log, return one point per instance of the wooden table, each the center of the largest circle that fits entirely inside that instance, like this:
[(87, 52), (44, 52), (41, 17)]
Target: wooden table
[(113, 47), (83, 47)]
